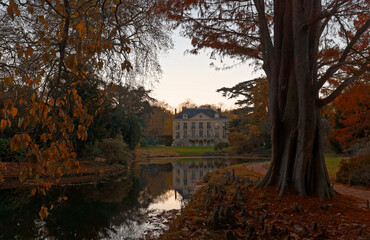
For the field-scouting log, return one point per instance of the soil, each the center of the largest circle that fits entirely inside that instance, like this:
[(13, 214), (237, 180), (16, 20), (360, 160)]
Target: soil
[(262, 214)]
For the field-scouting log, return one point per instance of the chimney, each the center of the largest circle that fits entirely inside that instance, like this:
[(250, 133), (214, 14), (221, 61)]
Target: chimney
[(175, 111)]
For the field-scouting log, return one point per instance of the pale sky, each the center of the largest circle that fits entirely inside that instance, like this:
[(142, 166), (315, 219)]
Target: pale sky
[(190, 76)]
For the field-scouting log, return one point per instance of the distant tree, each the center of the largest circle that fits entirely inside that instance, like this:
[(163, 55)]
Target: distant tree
[(187, 104), (301, 46)]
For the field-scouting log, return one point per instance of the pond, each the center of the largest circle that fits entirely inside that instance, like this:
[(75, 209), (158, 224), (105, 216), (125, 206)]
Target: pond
[(126, 208)]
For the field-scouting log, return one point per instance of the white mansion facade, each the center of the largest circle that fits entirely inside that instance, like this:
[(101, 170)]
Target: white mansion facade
[(199, 127)]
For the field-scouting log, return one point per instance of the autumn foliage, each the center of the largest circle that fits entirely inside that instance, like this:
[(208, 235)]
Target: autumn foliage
[(352, 111), (52, 54)]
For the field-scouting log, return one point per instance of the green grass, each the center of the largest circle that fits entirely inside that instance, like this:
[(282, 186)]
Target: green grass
[(332, 164), (185, 151)]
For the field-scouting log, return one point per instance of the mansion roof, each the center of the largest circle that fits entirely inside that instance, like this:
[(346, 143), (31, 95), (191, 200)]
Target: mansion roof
[(191, 112)]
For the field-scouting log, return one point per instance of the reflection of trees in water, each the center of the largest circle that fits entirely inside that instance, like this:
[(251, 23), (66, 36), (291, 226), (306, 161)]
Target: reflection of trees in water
[(156, 180), (91, 212)]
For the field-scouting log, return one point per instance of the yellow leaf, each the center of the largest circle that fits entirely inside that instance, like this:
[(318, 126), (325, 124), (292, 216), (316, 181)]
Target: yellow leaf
[(3, 124), (41, 19), (23, 175), (13, 111), (30, 9), (80, 27), (65, 198), (8, 80), (71, 61), (43, 212), (26, 139), (16, 143)]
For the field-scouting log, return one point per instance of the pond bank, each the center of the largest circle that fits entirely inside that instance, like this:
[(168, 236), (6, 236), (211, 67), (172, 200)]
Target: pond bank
[(243, 212), (90, 172)]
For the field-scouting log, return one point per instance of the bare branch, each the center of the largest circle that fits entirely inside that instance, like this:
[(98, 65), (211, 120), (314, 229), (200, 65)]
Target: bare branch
[(340, 88), (329, 73)]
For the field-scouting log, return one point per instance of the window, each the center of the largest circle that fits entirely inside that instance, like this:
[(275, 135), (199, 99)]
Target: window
[(193, 125), (185, 126), (208, 125), (177, 134), (208, 133), (185, 133), (193, 133), (201, 173), (201, 125), (177, 125), (217, 125), (201, 133), (185, 116), (217, 134), (224, 133), (217, 115), (200, 116)]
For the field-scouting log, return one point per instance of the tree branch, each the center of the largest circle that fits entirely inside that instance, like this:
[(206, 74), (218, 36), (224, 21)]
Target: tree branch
[(267, 46), (339, 89), (329, 73)]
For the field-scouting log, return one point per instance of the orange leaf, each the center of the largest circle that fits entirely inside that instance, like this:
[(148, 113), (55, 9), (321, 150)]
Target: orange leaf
[(33, 192), (13, 111), (3, 124), (16, 143)]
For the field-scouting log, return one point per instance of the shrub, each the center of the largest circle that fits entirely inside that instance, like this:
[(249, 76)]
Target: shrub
[(220, 146), (91, 151), (355, 171), (240, 143), (115, 150)]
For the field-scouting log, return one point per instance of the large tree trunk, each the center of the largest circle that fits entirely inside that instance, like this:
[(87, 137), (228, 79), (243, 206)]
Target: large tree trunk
[(298, 162)]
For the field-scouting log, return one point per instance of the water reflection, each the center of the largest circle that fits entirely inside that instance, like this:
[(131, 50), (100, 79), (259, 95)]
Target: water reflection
[(126, 208), (187, 174)]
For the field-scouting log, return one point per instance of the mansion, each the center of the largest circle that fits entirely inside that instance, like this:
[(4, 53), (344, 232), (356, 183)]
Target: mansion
[(199, 127)]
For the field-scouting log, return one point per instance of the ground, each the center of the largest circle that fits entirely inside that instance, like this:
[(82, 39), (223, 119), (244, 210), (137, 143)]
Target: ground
[(262, 214)]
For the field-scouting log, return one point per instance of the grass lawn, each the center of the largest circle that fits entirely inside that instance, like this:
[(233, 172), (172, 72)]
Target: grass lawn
[(184, 151), (332, 164)]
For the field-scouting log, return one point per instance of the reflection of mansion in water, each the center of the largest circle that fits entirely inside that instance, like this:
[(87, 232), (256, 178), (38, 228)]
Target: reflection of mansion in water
[(186, 174), (199, 127)]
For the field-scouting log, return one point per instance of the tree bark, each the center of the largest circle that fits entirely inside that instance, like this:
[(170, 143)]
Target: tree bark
[(298, 162)]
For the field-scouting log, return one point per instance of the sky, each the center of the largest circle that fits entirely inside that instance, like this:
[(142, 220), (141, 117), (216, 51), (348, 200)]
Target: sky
[(190, 76)]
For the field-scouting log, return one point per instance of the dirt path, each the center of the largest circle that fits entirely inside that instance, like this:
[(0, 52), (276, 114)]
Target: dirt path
[(362, 195)]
